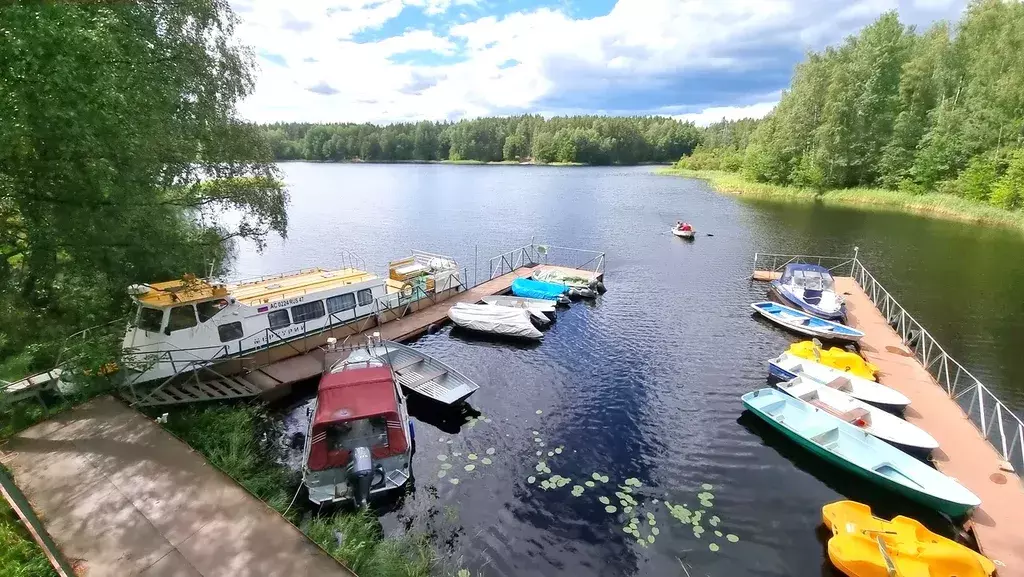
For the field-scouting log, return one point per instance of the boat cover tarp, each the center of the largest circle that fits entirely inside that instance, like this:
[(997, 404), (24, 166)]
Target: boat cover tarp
[(495, 319), (535, 289), (555, 276)]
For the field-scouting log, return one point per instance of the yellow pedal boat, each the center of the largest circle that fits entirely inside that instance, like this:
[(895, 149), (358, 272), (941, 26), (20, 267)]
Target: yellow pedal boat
[(834, 357), (863, 545)]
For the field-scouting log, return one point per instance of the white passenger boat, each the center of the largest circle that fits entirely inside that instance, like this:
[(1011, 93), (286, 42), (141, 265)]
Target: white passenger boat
[(497, 320), (190, 323), (873, 420), (542, 311), (359, 438), (787, 366)]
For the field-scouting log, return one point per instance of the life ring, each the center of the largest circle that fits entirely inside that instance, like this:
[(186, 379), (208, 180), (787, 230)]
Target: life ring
[(407, 290)]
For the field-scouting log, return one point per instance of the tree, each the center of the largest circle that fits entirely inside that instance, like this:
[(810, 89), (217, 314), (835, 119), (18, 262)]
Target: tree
[(119, 148)]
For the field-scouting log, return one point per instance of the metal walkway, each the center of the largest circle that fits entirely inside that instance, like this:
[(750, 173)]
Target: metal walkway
[(192, 391)]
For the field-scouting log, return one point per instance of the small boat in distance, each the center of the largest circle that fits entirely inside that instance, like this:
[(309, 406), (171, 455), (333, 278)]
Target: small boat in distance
[(535, 289), (497, 320), (786, 367), (542, 311), (359, 439), (859, 453), (884, 425), (863, 545), (805, 323), (683, 230), (810, 288)]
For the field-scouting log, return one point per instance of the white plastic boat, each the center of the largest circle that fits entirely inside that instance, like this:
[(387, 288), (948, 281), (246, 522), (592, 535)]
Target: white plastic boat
[(683, 233), (541, 310), (787, 367), (494, 319), (873, 420)]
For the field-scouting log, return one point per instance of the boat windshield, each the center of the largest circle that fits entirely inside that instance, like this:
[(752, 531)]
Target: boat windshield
[(813, 280), (150, 319), (370, 432)]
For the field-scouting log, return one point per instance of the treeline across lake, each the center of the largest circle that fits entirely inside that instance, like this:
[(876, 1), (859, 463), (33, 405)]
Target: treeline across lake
[(939, 110), (577, 139)]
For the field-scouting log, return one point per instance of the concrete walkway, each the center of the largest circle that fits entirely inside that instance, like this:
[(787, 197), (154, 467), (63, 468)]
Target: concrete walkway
[(964, 454), (122, 497)]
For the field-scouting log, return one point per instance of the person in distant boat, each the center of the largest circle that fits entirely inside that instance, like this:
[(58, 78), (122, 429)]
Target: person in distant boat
[(685, 227)]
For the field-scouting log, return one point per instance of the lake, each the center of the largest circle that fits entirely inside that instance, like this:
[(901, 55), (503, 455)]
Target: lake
[(644, 383)]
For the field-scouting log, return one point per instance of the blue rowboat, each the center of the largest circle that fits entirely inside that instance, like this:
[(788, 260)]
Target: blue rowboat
[(859, 453), (810, 288), (537, 289), (806, 323)]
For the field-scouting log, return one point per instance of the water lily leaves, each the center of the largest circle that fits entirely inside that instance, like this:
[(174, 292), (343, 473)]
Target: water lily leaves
[(650, 539), (531, 479), (441, 474), (540, 412), (469, 467), (650, 515), (453, 481), (718, 533), (485, 461), (536, 434), (655, 531), (732, 538), (539, 453), (590, 484), (442, 457), (705, 496), (596, 476), (611, 508), (604, 500), (537, 440), (634, 482), (714, 547), (627, 509), (462, 573), (490, 451), (713, 521), (706, 487), (551, 453), (577, 490), (697, 529), (446, 466), (471, 456), (558, 450)]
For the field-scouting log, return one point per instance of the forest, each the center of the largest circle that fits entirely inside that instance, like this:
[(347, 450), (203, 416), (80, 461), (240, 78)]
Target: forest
[(939, 110), (599, 140)]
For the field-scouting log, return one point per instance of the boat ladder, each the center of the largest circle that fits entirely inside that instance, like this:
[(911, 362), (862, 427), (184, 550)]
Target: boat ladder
[(191, 391)]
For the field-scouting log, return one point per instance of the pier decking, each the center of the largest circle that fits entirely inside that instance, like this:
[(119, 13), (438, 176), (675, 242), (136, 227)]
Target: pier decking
[(964, 454), (121, 496)]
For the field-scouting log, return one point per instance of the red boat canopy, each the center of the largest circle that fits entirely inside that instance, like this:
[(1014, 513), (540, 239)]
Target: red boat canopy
[(355, 394)]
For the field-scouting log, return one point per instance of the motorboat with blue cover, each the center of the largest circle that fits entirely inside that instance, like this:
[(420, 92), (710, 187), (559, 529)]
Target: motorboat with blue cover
[(810, 288)]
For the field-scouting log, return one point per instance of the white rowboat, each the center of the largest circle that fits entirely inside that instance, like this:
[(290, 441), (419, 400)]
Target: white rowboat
[(540, 309), (787, 367), (498, 320)]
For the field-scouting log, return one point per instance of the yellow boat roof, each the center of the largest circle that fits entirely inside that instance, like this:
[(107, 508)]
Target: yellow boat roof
[(264, 290)]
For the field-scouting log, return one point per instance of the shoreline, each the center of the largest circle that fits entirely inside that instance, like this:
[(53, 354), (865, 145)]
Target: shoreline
[(472, 162), (936, 205)]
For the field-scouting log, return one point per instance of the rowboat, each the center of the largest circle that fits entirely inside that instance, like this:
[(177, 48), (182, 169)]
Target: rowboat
[(806, 323), (863, 545), (497, 320), (535, 289), (858, 453), (786, 367), (542, 311), (423, 374), (687, 234), (885, 426), (810, 288)]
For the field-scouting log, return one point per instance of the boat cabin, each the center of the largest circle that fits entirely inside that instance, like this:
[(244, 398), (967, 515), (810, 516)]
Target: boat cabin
[(809, 277), (359, 440)]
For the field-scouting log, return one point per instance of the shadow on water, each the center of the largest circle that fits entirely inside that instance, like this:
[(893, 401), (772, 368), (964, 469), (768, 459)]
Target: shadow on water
[(883, 503), (477, 337), (447, 418)]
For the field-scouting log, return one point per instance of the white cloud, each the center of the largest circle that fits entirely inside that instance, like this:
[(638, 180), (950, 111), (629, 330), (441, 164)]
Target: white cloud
[(678, 49), (717, 113)]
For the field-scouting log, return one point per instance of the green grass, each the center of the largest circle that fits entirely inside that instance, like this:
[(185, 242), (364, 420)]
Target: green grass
[(933, 204), (20, 556), (241, 441)]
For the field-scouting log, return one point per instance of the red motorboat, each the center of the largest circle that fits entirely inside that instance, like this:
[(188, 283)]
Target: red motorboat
[(359, 441)]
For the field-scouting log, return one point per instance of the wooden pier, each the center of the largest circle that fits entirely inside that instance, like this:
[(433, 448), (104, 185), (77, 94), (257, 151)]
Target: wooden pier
[(119, 495), (964, 454)]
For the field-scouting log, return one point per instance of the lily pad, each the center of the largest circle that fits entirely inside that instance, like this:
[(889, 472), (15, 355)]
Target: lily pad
[(627, 509), (442, 457), (590, 484), (655, 531), (539, 412), (596, 476), (732, 538), (611, 508), (469, 467), (441, 474), (604, 479), (551, 453), (490, 451), (531, 479), (538, 440), (539, 453), (706, 487), (485, 461), (453, 481), (471, 456), (714, 547), (462, 573), (446, 466), (604, 500), (698, 529), (718, 533), (558, 450), (650, 539), (713, 521), (650, 515)]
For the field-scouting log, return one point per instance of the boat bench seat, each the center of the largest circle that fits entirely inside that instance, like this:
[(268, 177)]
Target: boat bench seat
[(850, 416), (840, 384)]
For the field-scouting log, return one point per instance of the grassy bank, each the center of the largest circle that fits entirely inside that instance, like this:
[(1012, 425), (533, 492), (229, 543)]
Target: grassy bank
[(931, 204), (20, 556), (242, 441)]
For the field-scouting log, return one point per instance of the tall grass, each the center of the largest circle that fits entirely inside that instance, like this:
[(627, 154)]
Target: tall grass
[(241, 440), (933, 204), (20, 556)]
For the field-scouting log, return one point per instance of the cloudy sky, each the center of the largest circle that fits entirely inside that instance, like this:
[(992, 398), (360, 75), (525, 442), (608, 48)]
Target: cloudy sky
[(400, 60)]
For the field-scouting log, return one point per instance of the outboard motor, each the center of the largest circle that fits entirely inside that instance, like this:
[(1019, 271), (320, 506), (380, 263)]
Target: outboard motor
[(360, 476), (598, 286)]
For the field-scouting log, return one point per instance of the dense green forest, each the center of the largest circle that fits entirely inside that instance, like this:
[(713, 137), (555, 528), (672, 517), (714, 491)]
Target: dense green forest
[(938, 110), (119, 146), (577, 139)]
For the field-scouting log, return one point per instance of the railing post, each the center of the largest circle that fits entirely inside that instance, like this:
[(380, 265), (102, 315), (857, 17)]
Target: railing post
[(981, 408), (1002, 433)]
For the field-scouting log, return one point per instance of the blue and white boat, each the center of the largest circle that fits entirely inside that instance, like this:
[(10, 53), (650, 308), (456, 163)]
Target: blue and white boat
[(786, 367), (537, 289), (810, 288), (806, 324), (859, 453)]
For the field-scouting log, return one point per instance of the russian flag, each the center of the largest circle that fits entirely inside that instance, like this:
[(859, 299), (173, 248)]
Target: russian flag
[(262, 309)]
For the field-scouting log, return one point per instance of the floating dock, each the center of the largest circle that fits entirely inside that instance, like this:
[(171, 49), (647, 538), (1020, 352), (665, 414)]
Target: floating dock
[(965, 453), (119, 495)]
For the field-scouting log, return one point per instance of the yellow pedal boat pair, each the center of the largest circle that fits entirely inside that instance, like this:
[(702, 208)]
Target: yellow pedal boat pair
[(834, 357), (863, 545)]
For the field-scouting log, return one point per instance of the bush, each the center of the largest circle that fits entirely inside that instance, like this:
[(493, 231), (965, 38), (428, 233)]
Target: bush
[(20, 556), (1008, 191), (976, 181)]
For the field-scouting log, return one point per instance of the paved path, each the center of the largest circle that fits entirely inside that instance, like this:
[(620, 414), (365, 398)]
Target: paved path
[(964, 454), (122, 497)]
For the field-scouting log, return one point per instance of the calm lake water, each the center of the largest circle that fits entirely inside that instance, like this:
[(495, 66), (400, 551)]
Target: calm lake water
[(645, 382)]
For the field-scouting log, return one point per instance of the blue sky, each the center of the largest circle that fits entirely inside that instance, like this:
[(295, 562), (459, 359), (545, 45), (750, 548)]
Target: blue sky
[(403, 60)]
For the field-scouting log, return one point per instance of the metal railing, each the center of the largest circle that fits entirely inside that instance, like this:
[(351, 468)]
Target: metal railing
[(998, 424), (534, 254)]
